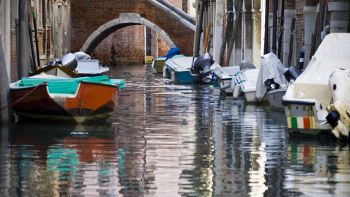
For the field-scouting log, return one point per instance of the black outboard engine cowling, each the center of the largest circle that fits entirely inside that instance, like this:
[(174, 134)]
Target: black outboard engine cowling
[(292, 73), (332, 118), (201, 66), (271, 85)]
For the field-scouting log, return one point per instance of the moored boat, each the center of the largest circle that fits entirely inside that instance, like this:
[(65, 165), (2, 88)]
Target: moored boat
[(188, 70), (73, 65), (244, 83), (309, 95), (52, 97), (56, 70), (178, 69), (91, 67), (158, 64), (271, 83), (222, 77)]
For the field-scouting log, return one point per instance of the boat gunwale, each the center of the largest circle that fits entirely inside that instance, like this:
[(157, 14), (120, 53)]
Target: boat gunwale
[(286, 102)]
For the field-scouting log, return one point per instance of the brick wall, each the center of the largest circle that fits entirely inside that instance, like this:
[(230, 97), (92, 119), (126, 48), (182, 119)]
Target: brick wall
[(87, 17), (299, 26), (125, 46), (289, 4), (299, 23), (177, 3)]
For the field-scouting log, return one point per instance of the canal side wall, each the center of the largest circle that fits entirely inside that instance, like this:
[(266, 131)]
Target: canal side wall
[(53, 32), (311, 22)]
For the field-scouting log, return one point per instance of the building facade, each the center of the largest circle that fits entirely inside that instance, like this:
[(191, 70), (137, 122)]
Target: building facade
[(300, 27), (45, 30)]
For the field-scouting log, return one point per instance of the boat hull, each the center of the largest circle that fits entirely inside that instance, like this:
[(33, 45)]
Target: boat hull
[(158, 65), (60, 71), (180, 77), (36, 103), (222, 77), (224, 85), (305, 117), (275, 98), (250, 96)]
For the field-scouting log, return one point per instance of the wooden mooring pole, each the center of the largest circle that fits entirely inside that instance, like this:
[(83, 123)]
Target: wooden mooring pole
[(280, 38), (24, 61), (274, 29), (4, 88), (36, 42), (199, 28)]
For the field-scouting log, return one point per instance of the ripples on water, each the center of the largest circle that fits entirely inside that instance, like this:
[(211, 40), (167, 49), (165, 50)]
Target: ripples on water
[(171, 140)]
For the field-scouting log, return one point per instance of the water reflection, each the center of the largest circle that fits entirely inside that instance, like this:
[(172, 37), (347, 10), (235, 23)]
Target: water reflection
[(165, 139), (52, 160), (326, 164)]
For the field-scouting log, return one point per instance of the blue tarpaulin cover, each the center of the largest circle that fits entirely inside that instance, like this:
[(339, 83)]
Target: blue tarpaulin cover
[(172, 52)]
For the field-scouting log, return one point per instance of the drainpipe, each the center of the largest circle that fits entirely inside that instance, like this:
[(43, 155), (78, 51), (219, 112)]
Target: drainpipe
[(266, 40), (4, 88), (282, 31), (274, 30)]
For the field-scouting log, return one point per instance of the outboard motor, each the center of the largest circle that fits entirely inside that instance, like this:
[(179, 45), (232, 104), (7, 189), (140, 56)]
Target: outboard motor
[(54, 62), (333, 117), (292, 73), (201, 66), (271, 85)]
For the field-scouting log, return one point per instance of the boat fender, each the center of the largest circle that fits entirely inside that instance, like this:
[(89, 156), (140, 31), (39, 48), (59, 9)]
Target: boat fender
[(164, 72), (237, 91), (301, 60), (292, 73), (172, 76)]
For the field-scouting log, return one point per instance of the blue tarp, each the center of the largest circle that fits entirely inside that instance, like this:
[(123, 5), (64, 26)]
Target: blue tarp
[(172, 52)]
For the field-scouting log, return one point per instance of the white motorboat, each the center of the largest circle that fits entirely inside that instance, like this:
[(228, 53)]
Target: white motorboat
[(188, 70), (222, 77), (271, 81), (309, 95), (244, 82), (178, 69), (90, 68)]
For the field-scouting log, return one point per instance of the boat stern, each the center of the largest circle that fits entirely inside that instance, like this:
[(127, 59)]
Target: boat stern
[(305, 115)]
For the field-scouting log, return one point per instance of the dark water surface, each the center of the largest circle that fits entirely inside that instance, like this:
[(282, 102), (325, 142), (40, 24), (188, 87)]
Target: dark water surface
[(169, 140)]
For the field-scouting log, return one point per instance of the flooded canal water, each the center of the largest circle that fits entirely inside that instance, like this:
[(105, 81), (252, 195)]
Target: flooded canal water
[(171, 140)]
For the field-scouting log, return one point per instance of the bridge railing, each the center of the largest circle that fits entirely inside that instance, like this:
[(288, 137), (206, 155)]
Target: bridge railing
[(185, 18)]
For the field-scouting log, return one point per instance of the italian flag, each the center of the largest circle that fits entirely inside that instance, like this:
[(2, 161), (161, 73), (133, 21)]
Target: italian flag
[(301, 122)]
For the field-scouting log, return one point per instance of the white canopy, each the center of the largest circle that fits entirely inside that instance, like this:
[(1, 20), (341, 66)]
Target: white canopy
[(271, 68), (82, 56), (90, 67), (180, 62), (333, 53)]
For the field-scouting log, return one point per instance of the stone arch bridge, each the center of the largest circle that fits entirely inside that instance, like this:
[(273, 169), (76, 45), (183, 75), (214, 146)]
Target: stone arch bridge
[(94, 20)]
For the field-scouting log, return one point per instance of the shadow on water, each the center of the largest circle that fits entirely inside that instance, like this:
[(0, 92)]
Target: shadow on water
[(165, 139)]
